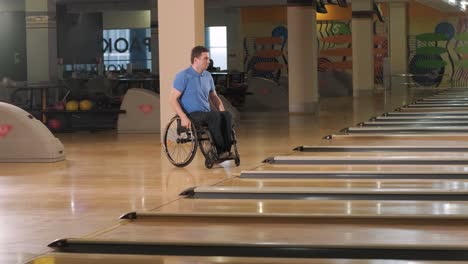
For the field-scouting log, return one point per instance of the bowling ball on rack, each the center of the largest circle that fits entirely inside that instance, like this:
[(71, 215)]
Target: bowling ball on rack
[(54, 124), (72, 105), (60, 106), (86, 105)]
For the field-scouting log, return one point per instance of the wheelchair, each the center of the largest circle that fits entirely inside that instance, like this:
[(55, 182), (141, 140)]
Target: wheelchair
[(181, 144)]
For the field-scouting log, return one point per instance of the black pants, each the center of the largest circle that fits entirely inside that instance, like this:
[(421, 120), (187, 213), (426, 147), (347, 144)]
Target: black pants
[(220, 126)]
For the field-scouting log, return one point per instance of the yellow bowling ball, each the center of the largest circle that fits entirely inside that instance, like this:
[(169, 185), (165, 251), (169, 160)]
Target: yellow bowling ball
[(86, 105), (71, 105)]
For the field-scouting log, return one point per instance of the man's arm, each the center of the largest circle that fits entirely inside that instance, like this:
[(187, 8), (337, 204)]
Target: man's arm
[(174, 101), (216, 101)]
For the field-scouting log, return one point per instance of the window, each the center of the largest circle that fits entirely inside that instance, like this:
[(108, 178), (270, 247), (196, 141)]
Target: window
[(122, 46), (216, 39)]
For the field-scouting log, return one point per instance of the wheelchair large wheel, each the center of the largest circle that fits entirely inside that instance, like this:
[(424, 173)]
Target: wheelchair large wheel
[(180, 144)]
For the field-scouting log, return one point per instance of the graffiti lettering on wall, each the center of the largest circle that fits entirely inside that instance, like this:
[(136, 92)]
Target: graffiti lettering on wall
[(122, 45), (116, 67)]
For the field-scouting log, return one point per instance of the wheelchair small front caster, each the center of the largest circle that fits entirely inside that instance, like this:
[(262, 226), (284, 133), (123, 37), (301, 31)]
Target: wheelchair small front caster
[(237, 161), (208, 164)]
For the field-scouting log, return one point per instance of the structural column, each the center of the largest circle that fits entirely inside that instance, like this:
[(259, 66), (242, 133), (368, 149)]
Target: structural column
[(41, 40), (363, 47), (154, 38), (234, 40), (302, 55), (398, 41), (181, 26)]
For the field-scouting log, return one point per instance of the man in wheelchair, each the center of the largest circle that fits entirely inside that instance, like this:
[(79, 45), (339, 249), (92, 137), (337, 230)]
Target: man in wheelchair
[(192, 91)]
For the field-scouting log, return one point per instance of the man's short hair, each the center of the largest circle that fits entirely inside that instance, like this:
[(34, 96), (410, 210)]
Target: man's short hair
[(197, 52)]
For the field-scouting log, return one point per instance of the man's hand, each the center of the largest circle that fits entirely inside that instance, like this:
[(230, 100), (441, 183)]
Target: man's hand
[(185, 122), (174, 99)]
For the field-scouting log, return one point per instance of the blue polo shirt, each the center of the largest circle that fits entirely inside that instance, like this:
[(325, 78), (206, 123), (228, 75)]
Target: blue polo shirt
[(195, 89)]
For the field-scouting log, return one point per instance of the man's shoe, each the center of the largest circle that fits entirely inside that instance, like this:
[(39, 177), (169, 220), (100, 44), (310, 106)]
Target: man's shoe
[(224, 155)]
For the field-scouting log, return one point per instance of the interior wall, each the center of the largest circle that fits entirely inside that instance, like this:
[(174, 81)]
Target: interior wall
[(13, 47), (126, 19), (230, 18), (79, 36), (12, 5), (105, 6), (259, 21)]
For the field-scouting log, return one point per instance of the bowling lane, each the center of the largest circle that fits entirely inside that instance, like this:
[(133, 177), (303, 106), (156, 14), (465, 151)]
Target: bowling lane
[(316, 208), (367, 168), (387, 154), (346, 159), (414, 140), (305, 173), (417, 130), (310, 233), (377, 185), (70, 258)]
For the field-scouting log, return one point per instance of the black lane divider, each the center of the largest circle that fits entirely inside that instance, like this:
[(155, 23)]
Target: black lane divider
[(378, 149), (330, 196), (262, 250), (349, 175), (351, 161)]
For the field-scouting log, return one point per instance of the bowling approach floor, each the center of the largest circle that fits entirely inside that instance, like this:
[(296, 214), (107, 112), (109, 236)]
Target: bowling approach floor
[(106, 175)]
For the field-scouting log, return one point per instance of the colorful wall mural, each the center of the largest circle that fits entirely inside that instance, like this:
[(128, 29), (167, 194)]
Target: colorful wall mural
[(265, 47), (437, 45), (266, 56), (335, 47), (439, 57)]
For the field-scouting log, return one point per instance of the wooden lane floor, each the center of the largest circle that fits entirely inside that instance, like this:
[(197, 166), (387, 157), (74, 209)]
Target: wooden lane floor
[(441, 169), (426, 113), (440, 118), (374, 158), (312, 208), (311, 174), (447, 97), (265, 236), (457, 90), (444, 99), (452, 92), (272, 171), (433, 108), (350, 184), (403, 129), (350, 164), (381, 157), (389, 148), (70, 258), (436, 105), (335, 189), (381, 139), (439, 101), (415, 123), (400, 152), (85, 193), (413, 140)]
